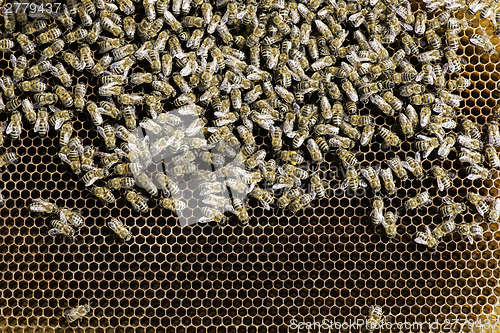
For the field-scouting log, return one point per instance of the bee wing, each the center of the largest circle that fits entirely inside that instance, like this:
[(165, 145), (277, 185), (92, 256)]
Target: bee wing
[(64, 158), (420, 238), (13, 60), (59, 123), (428, 152), (440, 184), (473, 177), (344, 184), (62, 216), (54, 232), (91, 181), (265, 204), (480, 210), (100, 130), (423, 137), (365, 174), (447, 200), (112, 225), (10, 128), (204, 219), (469, 238)]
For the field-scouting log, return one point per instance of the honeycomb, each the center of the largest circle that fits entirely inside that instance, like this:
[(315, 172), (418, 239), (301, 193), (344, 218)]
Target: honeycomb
[(325, 262)]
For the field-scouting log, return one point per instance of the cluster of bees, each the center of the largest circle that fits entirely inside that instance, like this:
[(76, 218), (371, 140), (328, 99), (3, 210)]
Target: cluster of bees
[(201, 79), (69, 220)]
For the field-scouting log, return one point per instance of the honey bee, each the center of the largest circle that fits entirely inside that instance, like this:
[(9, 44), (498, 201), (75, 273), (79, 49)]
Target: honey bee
[(411, 89), (138, 202), (252, 161), (460, 84), (64, 96), (475, 171), (43, 206), (446, 146), (418, 201), (61, 228), (314, 151), (471, 129), (371, 175), (79, 99), (357, 120), (492, 157), (93, 175), (294, 171), (382, 104), (172, 204), (120, 229), (76, 35), (241, 210), (367, 135), (108, 134), (65, 134), (121, 182), (493, 134), (470, 143), (426, 144), (494, 215), (19, 66), (266, 198), (301, 202), (73, 61), (347, 158), (101, 65), (7, 85), (375, 318), (34, 27), (350, 131), (48, 36), (425, 116), (42, 122), (389, 224), (352, 180), (414, 165), (87, 158), (36, 85), (76, 313), (429, 56), (444, 228), (142, 180), (60, 72), (483, 41), (212, 214), (95, 113), (28, 110), (268, 170), (183, 169), (472, 231), (166, 184), (452, 209), (426, 238), (129, 27), (442, 177), (71, 217), (377, 213), (14, 128), (126, 6), (390, 137), (317, 185)]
